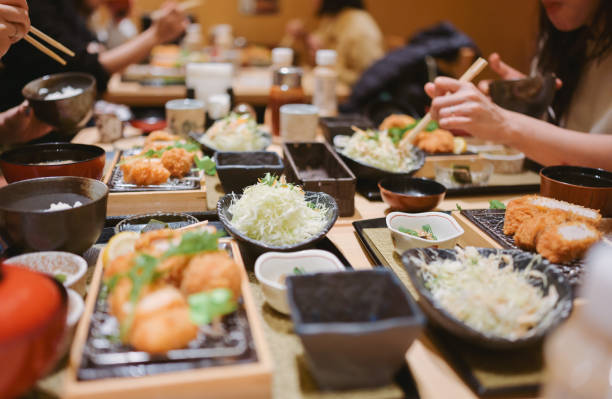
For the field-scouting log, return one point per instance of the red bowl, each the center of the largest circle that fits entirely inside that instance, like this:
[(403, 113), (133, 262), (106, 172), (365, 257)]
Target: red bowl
[(33, 327), (408, 194), (53, 159)]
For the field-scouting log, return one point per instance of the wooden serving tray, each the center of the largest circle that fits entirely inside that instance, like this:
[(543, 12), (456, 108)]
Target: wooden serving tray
[(130, 203), (241, 380)]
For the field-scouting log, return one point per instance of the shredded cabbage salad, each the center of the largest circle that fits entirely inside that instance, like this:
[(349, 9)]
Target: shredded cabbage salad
[(277, 213), (236, 132), (377, 149), (487, 293)]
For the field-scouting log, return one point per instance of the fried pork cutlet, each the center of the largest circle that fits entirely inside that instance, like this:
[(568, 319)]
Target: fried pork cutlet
[(527, 207), (211, 270), (438, 141), (396, 120), (528, 232), (144, 172), (178, 161), (567, 241)]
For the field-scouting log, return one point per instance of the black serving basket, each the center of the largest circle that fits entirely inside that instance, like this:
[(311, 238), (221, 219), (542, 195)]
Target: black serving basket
[(251, 248), (316, 167), (440, 316), (355, 326), (238, 170)]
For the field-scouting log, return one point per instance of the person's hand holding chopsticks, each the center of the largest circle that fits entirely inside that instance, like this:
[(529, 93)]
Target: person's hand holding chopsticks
[(14, 23), (170, 23), (461, 106)]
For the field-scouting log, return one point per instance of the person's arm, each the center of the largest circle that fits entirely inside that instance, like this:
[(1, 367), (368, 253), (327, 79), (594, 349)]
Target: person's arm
[(14, 22), (168, 27), (461, 106)]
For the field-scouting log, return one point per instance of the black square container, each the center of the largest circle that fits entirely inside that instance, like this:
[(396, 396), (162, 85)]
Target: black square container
[(355, 326), (238, 170), (342, 124)]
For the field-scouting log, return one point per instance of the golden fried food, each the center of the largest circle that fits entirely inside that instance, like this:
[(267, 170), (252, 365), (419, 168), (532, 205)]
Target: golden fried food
[(518, 210), (435, 142), (144, 172), (396, 120), (157, 145), (157, 242), (161, 135), (211, 270), (529, 231), (121, 264), (567, 241), (178, 161), (119, 298), (162, 322)]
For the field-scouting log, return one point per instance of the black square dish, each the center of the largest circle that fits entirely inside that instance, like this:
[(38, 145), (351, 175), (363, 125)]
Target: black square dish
[(342, 124), (238, 170), (355, 326)]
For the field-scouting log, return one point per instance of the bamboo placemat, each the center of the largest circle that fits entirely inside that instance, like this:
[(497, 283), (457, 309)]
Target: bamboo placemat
[(487, 372)]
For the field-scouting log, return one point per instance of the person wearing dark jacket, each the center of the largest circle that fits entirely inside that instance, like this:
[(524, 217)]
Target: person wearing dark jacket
[(61, 20)]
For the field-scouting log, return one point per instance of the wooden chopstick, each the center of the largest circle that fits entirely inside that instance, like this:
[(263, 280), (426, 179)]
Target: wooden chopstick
[(182, 7), (51, 41), (470, 74), (44, 49)]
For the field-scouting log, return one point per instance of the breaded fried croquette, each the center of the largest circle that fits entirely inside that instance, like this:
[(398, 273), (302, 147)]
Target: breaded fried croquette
[(529, 206), (157, 242), (396, 120), (121, 264), (435, 142), (567, 241), (156, 145), (119, 298), (211, 270), (178, 161), (144, 172), (161, 135), (528, 232), (162, 322)]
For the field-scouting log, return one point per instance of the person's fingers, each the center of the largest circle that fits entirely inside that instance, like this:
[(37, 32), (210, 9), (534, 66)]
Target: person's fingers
[(15, 15), (445, 85), (503, 70), (454, 99), (430, 89), (483, 86), (462, 109), (455, 123)]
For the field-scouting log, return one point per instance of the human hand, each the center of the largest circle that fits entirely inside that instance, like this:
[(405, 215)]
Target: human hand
[(170, 24), (14, 23), (504, 71), (19, 125), (461, 106), (295, 28)]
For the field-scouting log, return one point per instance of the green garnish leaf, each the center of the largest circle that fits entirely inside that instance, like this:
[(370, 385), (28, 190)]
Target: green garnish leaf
[(496, 204), (189, 146), (142, 274), (396, 134), (206, 164), (431, 126), (461, 174), (311, 205), (408, 231), (458, 207), (204, 307), (60, 277), (112, 282), (373, 135), (154, 224), (194, 242), (298, 271), (269, 179), (427, 229)]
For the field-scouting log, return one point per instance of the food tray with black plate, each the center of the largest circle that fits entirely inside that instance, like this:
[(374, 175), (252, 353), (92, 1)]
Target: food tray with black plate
[(238, 364), (486, 228), (519, 372), (176, 195)]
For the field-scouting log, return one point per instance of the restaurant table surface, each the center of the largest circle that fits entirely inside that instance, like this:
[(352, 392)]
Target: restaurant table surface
[(250, 85), (434, 376)]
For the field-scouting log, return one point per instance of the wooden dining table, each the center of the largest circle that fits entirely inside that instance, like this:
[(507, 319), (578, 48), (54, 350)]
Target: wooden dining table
[(251, 85)]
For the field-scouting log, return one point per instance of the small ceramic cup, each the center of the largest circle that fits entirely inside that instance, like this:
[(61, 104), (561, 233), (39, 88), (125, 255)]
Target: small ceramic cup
[(298, 122), (185, 116), (444, 226)]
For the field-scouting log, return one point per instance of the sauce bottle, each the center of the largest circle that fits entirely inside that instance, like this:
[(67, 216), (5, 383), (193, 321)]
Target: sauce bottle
[(579, 353), (325, 81), (286, 89)]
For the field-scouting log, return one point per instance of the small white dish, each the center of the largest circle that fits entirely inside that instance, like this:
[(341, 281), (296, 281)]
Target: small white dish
[(76, 306), (72, 266), (272, 266), (444, 226)]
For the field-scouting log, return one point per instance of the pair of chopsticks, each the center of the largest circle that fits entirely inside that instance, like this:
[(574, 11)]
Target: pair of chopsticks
[(155, 15), (470, 74), (49, 40)]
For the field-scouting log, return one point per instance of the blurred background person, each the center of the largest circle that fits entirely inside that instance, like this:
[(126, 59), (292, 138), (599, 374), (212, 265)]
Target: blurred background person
[(61, 20), (576, 45), (344, 26)]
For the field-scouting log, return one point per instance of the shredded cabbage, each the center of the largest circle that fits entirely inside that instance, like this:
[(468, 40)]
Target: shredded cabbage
[(235, 132), (277, 213), (378, 150), (494, 300)]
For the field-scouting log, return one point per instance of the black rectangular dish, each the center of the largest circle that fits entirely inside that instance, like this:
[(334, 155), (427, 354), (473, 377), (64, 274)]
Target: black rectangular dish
[(342, 125), (238, 170), (316, 167)]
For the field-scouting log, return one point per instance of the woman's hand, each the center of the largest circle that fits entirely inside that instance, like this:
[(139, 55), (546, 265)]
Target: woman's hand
[(19, 125), (171, 23), (504, 71), (461, 106), (14, 23)]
